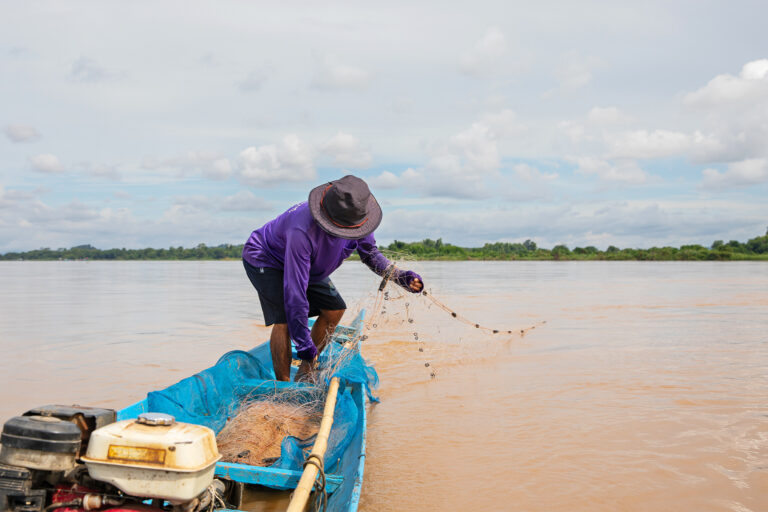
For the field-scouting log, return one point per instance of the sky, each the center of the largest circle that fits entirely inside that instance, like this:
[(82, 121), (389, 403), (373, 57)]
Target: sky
[(157, 124)]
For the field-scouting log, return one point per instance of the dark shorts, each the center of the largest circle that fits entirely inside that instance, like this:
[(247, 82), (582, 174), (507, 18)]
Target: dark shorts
[(269, 285)]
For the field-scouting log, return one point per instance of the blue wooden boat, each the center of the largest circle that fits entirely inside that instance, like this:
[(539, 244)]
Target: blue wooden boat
[(212, 396)]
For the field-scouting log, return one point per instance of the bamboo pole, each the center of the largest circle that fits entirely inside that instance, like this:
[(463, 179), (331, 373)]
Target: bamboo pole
[(300, 496)]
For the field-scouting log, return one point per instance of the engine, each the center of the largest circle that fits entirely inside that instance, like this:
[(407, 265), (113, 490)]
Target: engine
[(73, 459)]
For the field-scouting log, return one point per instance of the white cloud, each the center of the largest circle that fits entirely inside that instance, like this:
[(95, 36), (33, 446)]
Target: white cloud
[(623, 171), (574, 72), (106, 171), (576, 132), (389, 180), (289, 160), (484, 57), (639, 223), (385, 180), (21, 133), (725, 89), (208, 164), (31, 223), (606, 116), (346, 150), (219, 169), (503, 123), (459, 166), (12, 198), (645, 144), (88, 70), (739, 174), (532, 174), (735, 112), (476, 148), (642, 144), (242, 201), (46, 163), (332, 74), (254, 81)]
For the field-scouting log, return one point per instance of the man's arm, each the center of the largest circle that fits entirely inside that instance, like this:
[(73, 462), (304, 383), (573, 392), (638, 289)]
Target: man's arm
[(295, 280), (372, 257)]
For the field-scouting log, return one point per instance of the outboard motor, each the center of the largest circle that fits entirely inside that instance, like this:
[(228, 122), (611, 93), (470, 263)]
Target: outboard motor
[(154, 456), (77, 459), (41, 448)]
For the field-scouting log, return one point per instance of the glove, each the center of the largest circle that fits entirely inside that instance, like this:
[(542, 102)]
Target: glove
[(308, 353), (405, 277)]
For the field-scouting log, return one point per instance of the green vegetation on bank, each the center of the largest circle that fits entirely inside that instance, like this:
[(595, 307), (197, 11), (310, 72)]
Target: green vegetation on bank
[(754, 249)]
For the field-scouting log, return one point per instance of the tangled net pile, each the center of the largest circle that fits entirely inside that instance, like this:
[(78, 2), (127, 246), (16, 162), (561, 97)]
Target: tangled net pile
[(255, 434)]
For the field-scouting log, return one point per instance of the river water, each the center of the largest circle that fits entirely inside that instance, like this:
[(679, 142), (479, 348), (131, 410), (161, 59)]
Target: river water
[(646, 389)]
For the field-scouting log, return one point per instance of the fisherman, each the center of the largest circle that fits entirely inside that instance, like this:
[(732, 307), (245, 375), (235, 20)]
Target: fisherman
[(290, 258)]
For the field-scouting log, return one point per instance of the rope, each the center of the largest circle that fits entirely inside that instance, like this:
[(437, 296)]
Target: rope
[(321, 494), (217, 503)]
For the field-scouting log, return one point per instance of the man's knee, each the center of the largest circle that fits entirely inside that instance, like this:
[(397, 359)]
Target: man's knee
[(280, 329), (332, 316)]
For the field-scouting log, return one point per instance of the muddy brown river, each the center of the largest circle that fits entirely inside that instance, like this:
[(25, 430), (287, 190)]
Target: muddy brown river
[(646, 389)]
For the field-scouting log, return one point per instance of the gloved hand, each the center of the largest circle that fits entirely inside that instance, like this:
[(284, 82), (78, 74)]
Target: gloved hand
[(308, 353), (409, 280)]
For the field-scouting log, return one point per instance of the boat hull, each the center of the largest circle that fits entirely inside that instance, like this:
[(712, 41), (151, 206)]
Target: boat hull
[(344, 476)]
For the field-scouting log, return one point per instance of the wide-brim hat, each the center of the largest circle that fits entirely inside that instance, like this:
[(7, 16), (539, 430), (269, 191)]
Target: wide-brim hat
[(345, 208)]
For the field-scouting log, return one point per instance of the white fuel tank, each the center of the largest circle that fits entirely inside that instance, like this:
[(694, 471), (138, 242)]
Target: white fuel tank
[(154, 457)]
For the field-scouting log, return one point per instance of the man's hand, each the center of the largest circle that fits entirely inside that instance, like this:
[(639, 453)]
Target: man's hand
[(410, 280), (308, 353)]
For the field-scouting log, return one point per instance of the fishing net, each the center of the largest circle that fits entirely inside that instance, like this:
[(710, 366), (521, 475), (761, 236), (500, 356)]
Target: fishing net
[(262, 422), (255, 435), (440, 332)]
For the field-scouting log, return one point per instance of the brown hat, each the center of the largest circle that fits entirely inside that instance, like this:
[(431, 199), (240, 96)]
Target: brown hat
[(345, 208)]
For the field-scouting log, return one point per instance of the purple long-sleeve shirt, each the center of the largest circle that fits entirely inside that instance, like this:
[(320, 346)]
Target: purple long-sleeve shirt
[(294, 243)]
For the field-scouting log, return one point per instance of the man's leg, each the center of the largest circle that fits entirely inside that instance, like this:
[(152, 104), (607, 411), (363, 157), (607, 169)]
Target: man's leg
[(280, 346), (324, 326)]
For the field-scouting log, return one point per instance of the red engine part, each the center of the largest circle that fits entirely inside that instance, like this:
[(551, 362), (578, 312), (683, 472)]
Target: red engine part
[(68, 494)]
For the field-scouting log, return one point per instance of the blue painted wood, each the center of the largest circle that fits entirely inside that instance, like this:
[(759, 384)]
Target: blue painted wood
[(271, 477), (132, 411), (358, 488)]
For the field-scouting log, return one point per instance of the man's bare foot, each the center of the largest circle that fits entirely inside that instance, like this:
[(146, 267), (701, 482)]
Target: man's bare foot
[(307, 372)]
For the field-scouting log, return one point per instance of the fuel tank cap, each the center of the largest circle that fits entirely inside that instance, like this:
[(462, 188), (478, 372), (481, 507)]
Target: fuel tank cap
[(155, 418)]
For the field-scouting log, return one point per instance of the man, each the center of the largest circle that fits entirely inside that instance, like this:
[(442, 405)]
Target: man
[(289, 259)]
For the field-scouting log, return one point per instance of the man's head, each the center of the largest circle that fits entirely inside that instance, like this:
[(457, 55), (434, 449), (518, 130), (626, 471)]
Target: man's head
[(345, 208)]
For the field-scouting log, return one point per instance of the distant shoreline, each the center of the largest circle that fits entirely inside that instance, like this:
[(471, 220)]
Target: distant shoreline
[(354, 258), (755, 249)]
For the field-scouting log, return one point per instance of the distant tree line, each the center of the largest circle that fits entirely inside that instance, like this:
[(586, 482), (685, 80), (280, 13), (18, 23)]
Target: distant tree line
[(754, 249), (88, 252), (428, 249)]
